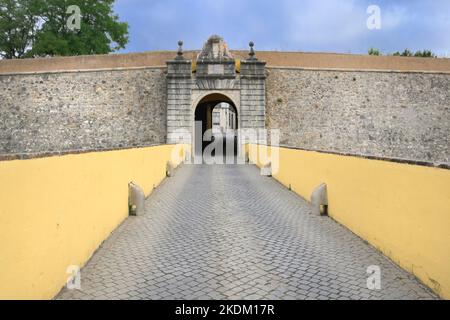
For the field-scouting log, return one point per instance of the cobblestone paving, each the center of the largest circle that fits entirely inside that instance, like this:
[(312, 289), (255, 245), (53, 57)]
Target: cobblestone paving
[(225, 232)]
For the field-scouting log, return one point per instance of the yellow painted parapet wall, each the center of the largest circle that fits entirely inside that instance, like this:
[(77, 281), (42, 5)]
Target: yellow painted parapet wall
[(55, 212), (401, 209)]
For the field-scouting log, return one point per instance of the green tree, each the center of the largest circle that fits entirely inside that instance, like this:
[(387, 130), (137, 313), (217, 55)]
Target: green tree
[(48, 32), (409, 53), (374, 52), (18, 26), (405, 53), (425, 54)]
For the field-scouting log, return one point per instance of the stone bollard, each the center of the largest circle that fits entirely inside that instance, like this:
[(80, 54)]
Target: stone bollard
[(319, 198), (170, 169), (187, 157), (266, 170), (136, 200)]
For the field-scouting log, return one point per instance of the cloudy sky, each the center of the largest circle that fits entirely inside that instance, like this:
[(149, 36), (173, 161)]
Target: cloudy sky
[(288, 25)]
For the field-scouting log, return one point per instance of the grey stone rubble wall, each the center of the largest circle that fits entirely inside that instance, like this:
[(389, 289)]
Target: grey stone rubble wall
[(378, 114), (76, 111)]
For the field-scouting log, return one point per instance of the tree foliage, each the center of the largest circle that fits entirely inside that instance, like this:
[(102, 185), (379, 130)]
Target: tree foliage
[(422, 54), (405, 53), (425, 54), (374, 52), (18, 26), (31, 28)]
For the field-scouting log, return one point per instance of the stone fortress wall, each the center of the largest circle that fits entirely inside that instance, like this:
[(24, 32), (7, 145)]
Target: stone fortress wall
[(384, 107), (48, 113), (376, 114)]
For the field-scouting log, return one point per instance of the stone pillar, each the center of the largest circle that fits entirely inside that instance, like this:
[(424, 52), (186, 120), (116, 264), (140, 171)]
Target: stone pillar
[(253, 92), (179, 86)]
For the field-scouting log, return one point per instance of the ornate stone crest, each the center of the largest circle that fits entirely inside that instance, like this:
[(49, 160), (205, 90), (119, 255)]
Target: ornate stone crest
[(216, 49)]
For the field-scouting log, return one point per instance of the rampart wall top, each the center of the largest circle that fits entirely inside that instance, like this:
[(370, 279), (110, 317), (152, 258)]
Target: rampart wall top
[(273, 59)]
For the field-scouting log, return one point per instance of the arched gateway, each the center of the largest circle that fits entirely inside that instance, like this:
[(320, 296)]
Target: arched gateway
[(213, 78)]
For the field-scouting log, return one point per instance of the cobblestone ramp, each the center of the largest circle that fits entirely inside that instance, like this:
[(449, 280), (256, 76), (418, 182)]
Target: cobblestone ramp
[(225, 232)]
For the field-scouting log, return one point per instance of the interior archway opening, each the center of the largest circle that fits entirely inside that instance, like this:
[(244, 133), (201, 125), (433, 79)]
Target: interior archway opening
[(216, 122)]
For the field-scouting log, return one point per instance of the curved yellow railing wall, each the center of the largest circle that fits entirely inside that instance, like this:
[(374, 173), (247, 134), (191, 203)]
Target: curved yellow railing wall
[(403, 210), (56, 211)]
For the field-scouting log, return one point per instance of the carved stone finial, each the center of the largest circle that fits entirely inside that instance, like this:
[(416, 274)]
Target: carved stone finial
[(180, 51), (252, 51)]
